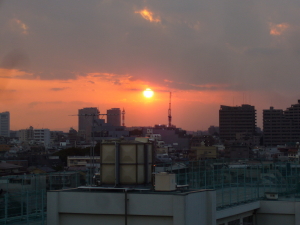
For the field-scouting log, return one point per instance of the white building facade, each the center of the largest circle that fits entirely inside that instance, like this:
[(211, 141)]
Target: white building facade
[(36, 135), (42, 136)]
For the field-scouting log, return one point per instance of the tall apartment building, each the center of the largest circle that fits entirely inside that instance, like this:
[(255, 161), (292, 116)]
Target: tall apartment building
[(4, 124), (114, 116), (86, 117), (236, 119), (281, 126)]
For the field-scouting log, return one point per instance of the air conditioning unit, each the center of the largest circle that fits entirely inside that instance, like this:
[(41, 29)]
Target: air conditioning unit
[(165, 182)]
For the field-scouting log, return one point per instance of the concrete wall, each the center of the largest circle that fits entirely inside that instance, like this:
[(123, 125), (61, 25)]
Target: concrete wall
[(113, 219), (161, 208), (278, 213), (236, 213), (100, 207)]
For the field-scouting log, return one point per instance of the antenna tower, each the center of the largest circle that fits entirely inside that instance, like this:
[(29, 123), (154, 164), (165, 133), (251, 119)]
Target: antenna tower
[(169, 112), (123, 117)]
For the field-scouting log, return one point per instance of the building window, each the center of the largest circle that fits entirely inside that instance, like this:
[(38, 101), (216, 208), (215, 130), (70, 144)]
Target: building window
[(248, 220)]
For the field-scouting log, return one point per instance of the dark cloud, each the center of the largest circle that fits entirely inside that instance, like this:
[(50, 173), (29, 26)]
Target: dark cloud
[(33, 104), (228, 43), (117, 82), (59, 89), (15, 59)]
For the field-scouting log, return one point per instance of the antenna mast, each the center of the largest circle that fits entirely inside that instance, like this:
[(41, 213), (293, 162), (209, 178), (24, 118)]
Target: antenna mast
[(169, 112), (123, 117)]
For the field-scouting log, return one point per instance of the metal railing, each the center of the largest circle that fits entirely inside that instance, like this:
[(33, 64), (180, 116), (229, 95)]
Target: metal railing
[(23, 198), (239, 182)]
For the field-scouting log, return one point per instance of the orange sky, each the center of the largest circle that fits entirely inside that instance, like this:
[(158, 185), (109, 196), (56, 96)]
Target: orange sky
[(48, 103)]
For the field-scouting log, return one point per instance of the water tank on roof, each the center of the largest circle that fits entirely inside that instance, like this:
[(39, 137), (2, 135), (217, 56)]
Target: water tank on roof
[(125, 163)]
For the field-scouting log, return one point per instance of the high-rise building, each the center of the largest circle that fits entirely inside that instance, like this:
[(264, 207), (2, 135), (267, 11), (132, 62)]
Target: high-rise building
[(4, 124), (281, 126), (86, 118), (236, 119), (114, 116)]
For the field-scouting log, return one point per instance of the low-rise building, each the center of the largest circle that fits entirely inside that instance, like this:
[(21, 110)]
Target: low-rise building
[(36, 135), (203, 152), (81, 160)]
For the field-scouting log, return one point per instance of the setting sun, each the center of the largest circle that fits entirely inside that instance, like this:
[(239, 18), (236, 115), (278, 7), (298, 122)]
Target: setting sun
[(148, 93)]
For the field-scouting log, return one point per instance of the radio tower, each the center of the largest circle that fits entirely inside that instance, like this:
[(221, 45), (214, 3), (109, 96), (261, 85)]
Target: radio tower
[(123, 117), (169, 112)]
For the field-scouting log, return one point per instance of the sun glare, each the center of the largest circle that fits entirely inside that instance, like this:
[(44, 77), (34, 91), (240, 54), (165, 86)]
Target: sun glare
[(148, 93)]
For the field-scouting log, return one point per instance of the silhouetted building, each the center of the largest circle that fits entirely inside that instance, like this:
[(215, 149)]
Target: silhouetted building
[(172, 136), (73, 136), (104, 131), (57, 136), (114, 116), (236, 119), (4, 124), (212, 130), (237, 151), (281, 127), (86, 118)]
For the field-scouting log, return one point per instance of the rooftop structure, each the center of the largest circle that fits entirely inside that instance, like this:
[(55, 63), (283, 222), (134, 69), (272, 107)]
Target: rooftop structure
[(249, 192), (219, 192)]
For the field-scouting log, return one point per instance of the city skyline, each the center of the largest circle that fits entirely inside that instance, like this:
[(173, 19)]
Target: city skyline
[(57, 57)]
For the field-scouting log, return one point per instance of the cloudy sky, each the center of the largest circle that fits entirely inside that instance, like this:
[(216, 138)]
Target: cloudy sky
[(59, 56)]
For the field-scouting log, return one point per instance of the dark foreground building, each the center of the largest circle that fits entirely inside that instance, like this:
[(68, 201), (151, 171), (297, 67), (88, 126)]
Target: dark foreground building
[(281, 126), (236, 119)]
